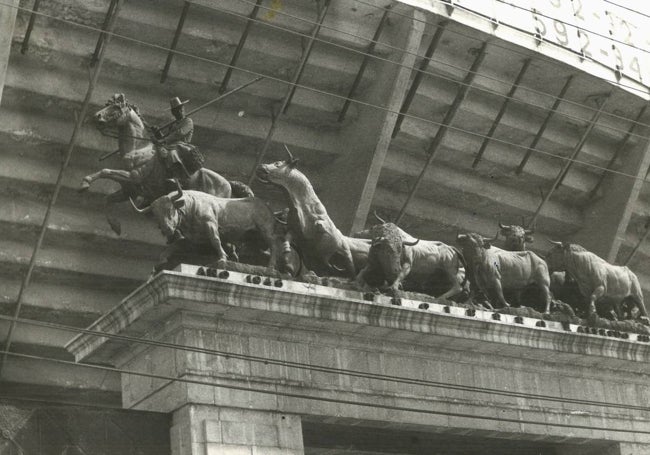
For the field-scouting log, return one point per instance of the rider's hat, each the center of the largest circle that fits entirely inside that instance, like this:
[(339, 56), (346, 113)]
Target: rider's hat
[(176, 102)]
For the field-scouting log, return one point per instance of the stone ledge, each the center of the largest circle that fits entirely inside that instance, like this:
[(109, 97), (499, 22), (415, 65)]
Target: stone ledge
[(297, 304)]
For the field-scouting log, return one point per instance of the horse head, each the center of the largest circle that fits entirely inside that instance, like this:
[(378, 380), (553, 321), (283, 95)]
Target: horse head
[(117, 112)]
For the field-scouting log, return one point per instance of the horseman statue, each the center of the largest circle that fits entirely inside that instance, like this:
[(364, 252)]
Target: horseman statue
[(181, 158), (152, 156)]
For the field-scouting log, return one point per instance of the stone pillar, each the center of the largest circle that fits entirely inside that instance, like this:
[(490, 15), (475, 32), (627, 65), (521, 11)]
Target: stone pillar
[(626, 448), (7, 24), (352, 179), (607, 218), (213, 430)]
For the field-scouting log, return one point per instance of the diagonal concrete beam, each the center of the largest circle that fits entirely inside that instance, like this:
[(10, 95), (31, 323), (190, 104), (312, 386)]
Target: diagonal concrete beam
[(607, 218), (349, 183), (8, 12)]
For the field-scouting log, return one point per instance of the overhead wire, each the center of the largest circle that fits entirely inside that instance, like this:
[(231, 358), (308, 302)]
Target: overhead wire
[(334, 95), (538, 56), (276, 392), (627, 8), (539, 13), (434, 60), (322, 368)]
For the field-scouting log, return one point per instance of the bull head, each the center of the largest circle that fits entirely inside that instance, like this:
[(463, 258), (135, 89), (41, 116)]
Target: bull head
[(504, 227), (291, 161)]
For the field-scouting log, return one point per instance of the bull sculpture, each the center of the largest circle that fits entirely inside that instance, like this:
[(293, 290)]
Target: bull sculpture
[(597, 280), (494, 269), (202, 218), (309, 225), (516, 236), (394, 255)]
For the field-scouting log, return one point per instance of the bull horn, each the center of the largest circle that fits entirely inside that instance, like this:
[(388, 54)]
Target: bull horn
[(147, 209), (179, 191), (291, 158), (377, 216), (460, 237), (505, 227), (531, 230), (554, 242), (493, 239), (411, 243)]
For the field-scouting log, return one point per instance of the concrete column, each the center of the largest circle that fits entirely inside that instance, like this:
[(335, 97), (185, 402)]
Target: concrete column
[(352, 179), (7, 24), (607, 218), (619, 448), (626, 448), (213, 430)]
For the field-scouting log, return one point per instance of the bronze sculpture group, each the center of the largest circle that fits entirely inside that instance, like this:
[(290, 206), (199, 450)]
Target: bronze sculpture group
[(194, 208)]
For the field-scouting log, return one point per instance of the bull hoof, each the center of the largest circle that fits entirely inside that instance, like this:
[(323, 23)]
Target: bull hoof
[(115, 225), (85, 185)]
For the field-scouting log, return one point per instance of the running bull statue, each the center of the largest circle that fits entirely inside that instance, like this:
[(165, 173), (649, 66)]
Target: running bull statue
[(494, 269), (323, 245), (394, 255), (202, 218), (598, 280)]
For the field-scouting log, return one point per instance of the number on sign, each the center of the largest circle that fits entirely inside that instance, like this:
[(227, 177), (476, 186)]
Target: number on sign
[(562, 36)]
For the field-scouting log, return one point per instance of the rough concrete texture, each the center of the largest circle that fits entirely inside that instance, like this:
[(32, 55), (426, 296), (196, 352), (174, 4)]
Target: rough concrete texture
[(83, 269), (321, 326), (30, 428), (208, 430)]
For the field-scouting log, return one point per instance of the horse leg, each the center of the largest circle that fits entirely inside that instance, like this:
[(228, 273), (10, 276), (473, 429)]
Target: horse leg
[(113, 198), (116, 175)]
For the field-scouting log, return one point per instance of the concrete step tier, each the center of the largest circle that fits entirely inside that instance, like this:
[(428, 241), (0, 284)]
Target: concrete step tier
[(84, 269)]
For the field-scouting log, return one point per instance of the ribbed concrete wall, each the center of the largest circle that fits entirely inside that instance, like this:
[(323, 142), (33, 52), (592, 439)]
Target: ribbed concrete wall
[(84, 268)]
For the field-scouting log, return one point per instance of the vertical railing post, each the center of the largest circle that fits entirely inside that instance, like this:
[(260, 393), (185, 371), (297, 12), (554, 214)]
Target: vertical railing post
[(240, 46), (30, 27), (569, 162), (102, 35), (364, 63), (544, 125), (172, 47), (424, 64), (444, 126), (502, 111)]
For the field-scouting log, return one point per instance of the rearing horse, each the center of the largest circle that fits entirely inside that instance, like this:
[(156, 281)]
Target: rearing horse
[(144, 173)]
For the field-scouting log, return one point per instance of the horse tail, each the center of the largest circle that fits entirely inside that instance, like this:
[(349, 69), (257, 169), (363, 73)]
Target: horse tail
[(240, 189)]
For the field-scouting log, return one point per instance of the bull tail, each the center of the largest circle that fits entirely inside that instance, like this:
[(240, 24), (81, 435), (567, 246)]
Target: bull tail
[(462, 260), (240, 189)]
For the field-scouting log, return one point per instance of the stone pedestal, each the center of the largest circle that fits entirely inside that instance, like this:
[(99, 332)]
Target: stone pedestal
[(214, 430), (258, 362)]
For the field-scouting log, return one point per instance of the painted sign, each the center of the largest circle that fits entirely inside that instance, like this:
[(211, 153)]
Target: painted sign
[(583, 33)]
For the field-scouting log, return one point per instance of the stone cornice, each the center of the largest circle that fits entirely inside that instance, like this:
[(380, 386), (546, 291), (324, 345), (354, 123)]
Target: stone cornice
[(315, 307)]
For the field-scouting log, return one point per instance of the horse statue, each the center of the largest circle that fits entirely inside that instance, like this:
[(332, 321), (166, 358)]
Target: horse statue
[(144, 172)]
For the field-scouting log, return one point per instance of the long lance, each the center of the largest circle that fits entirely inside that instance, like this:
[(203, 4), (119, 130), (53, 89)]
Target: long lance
[(193, 111)]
